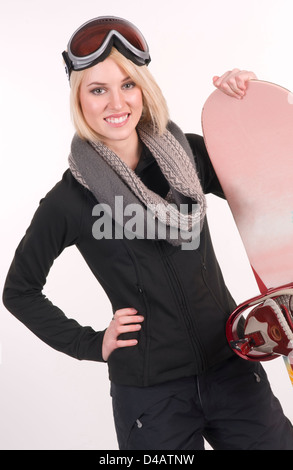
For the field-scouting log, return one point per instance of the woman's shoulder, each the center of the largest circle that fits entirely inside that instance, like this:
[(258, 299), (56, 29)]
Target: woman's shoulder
[(64, 201), (196, 143), (67, 191)]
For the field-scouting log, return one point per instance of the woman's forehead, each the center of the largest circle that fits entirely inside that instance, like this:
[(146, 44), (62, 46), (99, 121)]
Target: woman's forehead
[(105, 72)]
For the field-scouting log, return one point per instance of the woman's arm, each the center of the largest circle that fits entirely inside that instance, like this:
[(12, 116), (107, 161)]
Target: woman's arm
[(55, 226)]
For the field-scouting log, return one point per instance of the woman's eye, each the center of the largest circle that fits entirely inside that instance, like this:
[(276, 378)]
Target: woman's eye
[(129, 86), (98, 91)]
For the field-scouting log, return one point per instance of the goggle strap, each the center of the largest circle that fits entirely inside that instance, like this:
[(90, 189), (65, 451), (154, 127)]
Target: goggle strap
[(68, 64)]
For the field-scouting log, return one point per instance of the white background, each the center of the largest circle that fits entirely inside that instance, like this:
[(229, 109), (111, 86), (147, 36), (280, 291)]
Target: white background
[(48, 400)]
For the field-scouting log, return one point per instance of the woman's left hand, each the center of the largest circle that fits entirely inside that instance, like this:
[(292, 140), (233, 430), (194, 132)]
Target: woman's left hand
[(234, 82)]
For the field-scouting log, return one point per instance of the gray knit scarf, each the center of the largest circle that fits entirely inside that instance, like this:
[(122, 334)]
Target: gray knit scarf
[(100, 170)]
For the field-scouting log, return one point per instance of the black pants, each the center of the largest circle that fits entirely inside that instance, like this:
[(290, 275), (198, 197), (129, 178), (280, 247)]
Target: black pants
[(231, 406)]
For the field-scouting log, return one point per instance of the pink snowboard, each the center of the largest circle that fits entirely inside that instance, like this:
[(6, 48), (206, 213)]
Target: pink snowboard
[(250, 143)]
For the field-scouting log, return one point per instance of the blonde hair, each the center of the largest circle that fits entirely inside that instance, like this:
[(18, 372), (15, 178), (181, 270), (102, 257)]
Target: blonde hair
[(155, 110)]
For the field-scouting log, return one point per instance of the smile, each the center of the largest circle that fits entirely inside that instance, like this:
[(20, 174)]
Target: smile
[(117, 120)]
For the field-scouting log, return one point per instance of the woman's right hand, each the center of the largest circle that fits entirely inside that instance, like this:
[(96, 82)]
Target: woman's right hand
[(125, 320), (234, 82)]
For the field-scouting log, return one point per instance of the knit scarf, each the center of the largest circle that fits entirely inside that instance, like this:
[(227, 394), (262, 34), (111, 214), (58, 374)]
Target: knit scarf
[(101, 171)]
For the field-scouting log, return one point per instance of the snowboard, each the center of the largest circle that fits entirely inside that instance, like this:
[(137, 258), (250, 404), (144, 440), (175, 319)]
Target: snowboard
[(250, 144)]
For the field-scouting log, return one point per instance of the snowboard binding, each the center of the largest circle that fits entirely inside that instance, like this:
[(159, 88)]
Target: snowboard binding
[(267, 331)]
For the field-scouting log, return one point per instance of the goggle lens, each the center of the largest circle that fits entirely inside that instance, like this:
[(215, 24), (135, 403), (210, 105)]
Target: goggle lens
[(92, 35)]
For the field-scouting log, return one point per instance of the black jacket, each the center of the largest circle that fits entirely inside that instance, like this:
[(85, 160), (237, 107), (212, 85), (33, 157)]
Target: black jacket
[(181, 293)]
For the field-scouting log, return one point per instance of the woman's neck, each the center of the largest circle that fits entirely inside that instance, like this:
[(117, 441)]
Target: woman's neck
[(128, 152)]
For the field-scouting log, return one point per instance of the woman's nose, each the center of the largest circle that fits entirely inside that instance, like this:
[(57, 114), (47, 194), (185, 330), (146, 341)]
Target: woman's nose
[(116, 100)]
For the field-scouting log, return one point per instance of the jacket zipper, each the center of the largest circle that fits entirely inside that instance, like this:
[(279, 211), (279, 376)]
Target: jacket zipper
[(204, 271), (180, 297), (140, 289), (147, 336)]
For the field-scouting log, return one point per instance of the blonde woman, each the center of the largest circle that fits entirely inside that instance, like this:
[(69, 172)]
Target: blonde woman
[(133, 203)]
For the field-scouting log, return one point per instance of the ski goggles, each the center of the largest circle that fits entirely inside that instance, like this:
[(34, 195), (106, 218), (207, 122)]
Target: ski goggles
[(93, 41)]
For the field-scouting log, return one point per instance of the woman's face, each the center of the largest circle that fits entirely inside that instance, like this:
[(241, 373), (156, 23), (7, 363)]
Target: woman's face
[(111, 102)]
